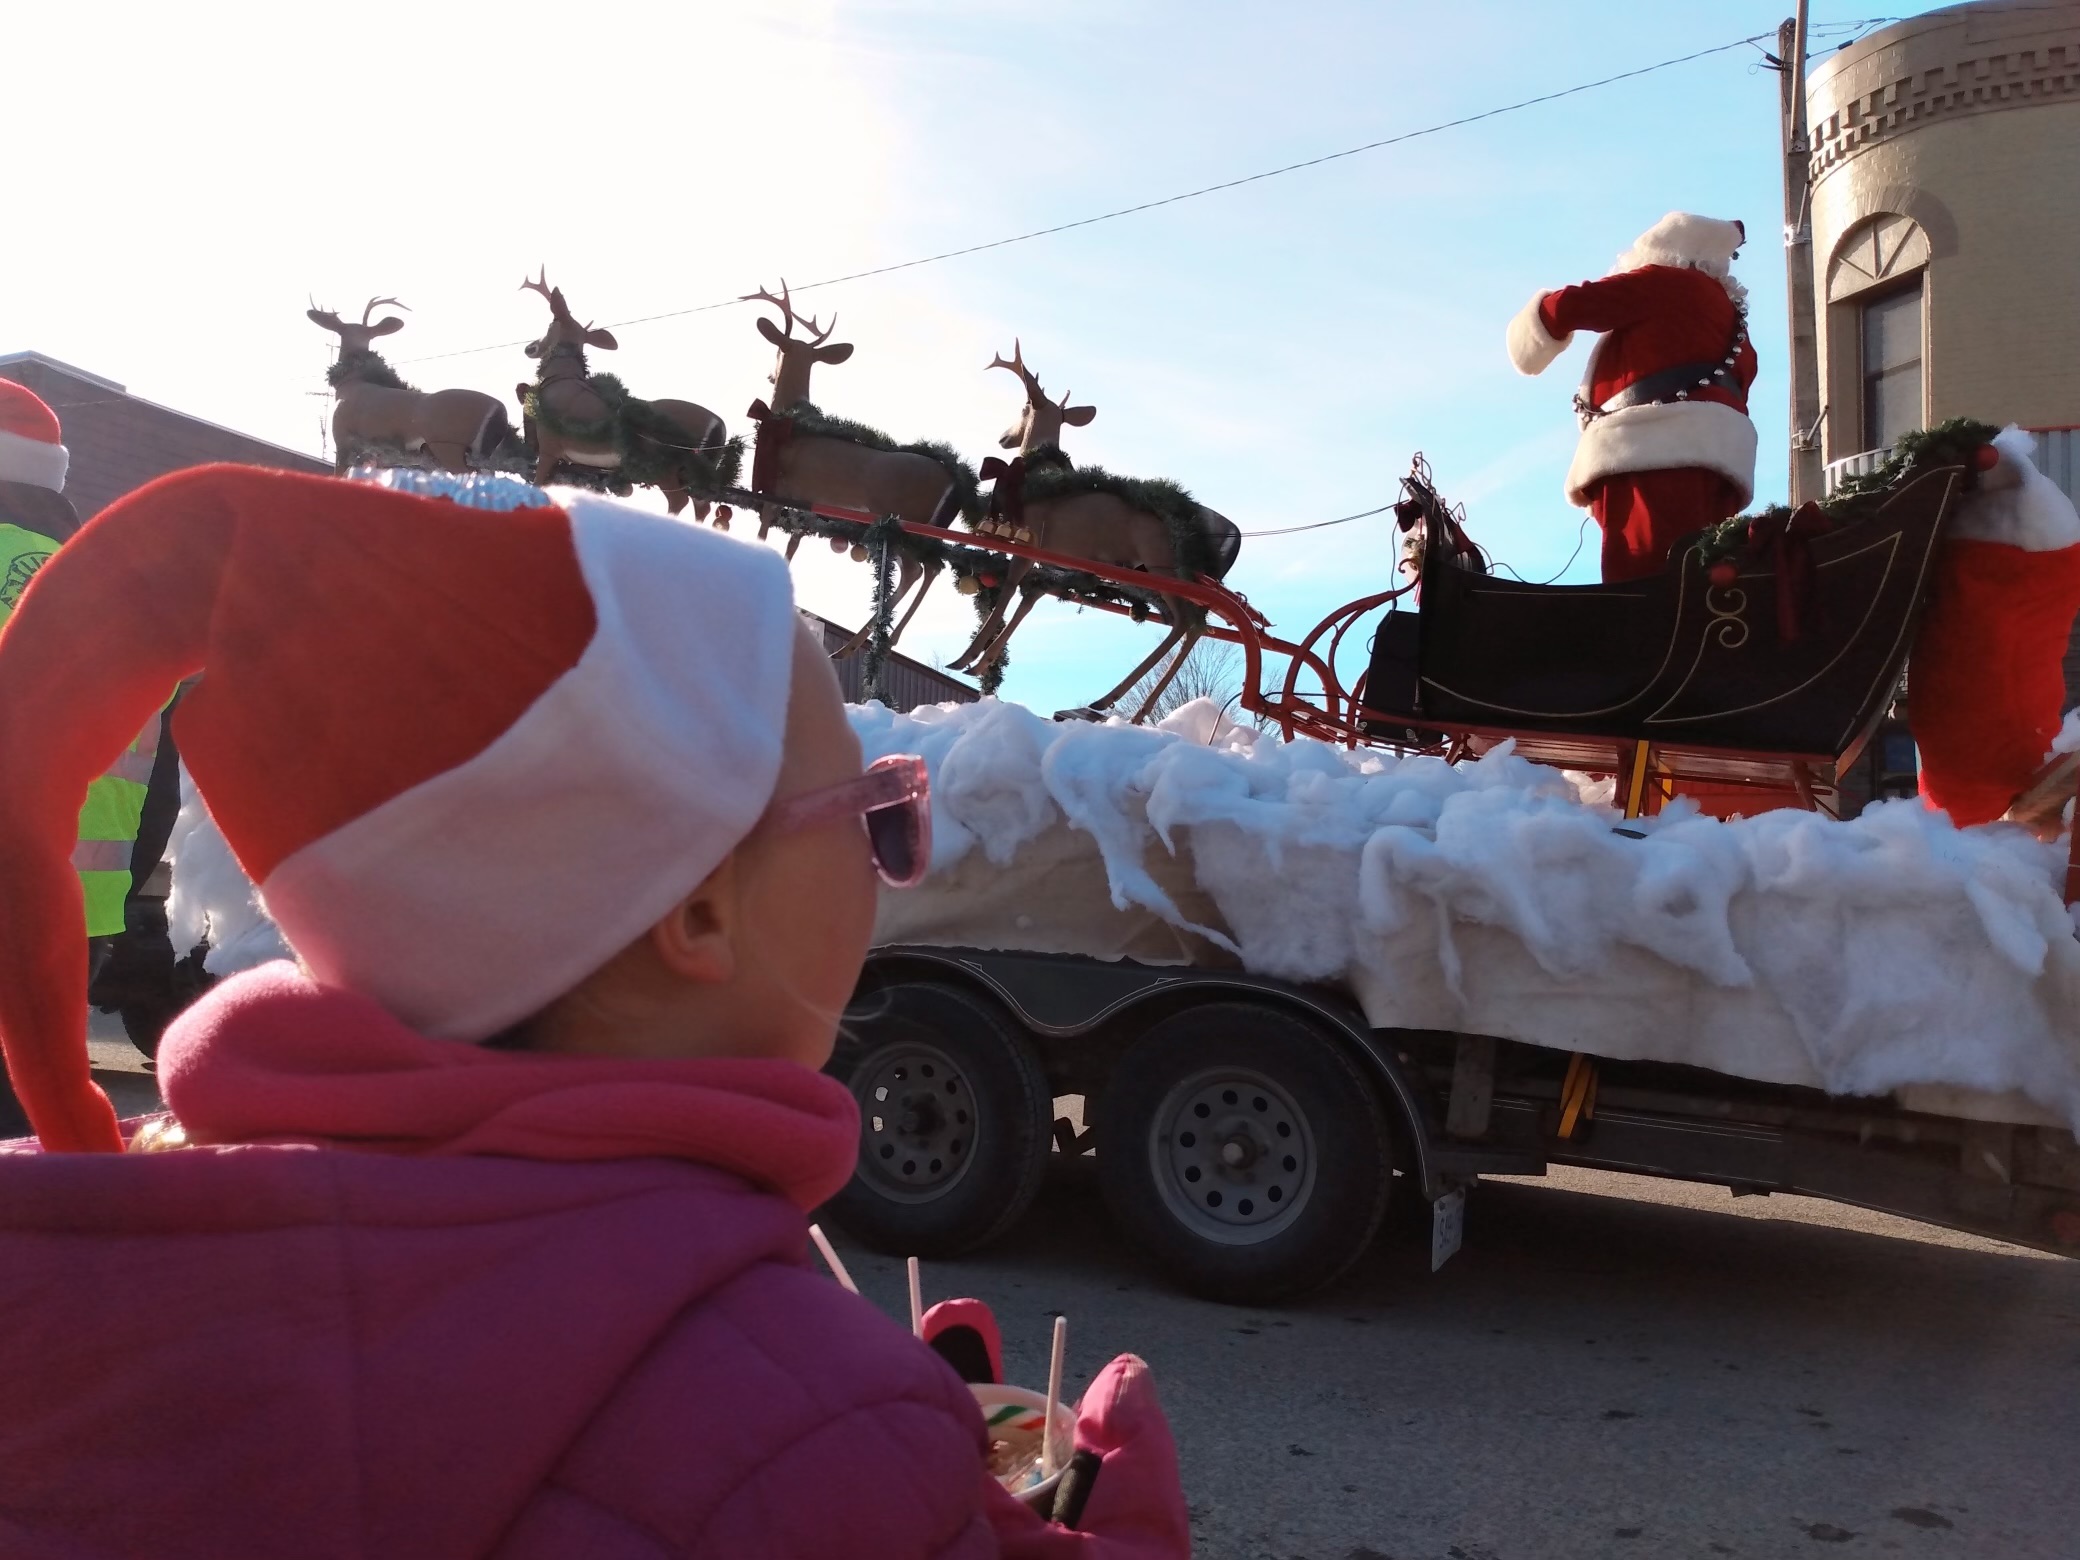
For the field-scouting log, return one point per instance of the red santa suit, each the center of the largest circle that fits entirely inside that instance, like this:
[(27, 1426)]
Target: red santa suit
[(1986, 682), (1664, 451)]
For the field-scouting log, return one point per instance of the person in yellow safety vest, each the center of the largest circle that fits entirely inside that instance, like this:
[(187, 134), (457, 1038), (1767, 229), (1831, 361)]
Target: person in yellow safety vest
[(36, 519)]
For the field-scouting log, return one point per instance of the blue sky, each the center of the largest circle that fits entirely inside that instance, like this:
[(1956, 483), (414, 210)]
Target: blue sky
[(1281, 349)]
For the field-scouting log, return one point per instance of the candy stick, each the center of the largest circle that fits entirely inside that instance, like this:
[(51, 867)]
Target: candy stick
[(823, 1244), (916, 1300), (1054, 1396)]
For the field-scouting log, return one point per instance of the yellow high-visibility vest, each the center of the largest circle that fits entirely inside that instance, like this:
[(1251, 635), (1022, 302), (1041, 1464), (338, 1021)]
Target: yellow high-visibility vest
[(114, 807)]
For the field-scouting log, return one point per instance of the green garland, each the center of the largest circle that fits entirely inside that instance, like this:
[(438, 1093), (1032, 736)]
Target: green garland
[(967, 488), (365, 367), (882, 541), (652, 447), (988, 570), (1951, 443), (991, 677)]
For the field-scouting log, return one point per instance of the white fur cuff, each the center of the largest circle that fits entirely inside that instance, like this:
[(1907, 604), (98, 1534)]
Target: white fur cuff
[(1665, 436), (1531, 346), (32, 461)]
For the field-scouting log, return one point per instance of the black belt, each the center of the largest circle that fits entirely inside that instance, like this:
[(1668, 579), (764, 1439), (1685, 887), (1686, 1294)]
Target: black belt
[(1680, 383)]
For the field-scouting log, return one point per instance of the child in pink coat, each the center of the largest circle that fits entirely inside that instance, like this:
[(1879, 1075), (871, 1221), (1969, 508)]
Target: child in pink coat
[(490, 1237)]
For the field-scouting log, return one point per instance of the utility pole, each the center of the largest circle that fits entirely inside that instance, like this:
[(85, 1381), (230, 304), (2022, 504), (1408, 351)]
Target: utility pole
[(1806, 478)]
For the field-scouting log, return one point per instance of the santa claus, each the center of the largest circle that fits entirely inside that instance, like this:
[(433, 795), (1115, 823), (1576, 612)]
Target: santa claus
[(1666, 445)]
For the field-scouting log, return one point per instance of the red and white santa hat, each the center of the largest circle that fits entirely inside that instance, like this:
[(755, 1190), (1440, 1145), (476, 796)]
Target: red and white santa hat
[(31, 450), (469, 747)]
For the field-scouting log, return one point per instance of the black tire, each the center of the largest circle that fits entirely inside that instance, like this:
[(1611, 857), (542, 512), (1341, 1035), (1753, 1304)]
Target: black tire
[(955, 1122), (145, 1024), (1284, 1187), (146, 1013)]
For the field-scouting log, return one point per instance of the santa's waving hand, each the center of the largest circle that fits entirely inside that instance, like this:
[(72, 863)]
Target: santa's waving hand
[(1666, 446)]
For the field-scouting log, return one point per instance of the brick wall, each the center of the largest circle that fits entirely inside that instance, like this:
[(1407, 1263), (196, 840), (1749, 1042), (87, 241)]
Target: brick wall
[(905, 684), (119, 442)]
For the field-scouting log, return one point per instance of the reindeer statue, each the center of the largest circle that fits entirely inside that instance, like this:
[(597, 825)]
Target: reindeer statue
[(1036, 436), (589, 420), (378, 413), (810, 459), (1040, 498)]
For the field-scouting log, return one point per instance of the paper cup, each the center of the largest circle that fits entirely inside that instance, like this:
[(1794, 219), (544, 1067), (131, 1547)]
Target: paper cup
[(1014, 1412)]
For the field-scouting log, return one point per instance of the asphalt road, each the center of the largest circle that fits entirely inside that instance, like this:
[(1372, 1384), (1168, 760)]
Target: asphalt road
[(1611, 1367)]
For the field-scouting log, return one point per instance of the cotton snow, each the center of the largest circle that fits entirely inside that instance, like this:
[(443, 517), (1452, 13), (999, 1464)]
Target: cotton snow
[(1496, 897), (2016, 503), (2068, 738), (213, 904)]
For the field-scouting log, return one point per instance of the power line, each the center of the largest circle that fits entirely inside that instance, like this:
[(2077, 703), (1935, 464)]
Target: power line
[(1167, 200), (1288, 530)]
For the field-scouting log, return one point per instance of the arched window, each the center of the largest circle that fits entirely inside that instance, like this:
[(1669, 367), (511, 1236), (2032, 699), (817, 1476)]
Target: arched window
[(1876, 327)]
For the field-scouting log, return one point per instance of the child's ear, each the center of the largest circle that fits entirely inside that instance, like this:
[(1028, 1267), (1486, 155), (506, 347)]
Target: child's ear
[(696, 939)]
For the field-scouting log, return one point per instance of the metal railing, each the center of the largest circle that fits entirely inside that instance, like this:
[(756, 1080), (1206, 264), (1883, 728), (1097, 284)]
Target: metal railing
[(2057, 456)]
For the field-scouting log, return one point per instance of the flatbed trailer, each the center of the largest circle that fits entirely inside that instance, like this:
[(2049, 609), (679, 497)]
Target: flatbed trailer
[(1250, 1133)]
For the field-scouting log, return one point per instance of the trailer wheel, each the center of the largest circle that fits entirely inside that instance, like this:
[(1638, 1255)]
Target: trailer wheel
[(954, 1123), (1245, 1150)]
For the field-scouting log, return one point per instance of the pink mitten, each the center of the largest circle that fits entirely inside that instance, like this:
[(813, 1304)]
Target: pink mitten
[(964, 1334), (1120, 1498)]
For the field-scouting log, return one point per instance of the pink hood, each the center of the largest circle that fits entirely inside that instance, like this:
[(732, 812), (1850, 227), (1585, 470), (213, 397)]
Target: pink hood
[(564, 1311)]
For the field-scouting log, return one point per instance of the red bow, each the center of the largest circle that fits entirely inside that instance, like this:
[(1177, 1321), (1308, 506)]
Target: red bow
[(1007, 500), (1783, 542), (773, 433)]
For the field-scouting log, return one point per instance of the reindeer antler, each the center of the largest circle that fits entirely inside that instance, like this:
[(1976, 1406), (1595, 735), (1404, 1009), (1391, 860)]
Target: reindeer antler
[(785, 304), (541, 285), (376, 303), (1018, 366)]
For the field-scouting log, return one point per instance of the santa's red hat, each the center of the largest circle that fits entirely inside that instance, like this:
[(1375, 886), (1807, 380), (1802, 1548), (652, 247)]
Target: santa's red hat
[(468, 746), (31, 451)]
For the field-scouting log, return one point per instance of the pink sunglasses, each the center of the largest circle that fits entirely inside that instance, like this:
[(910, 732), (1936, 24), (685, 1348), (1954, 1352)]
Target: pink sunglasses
[(892, 800)]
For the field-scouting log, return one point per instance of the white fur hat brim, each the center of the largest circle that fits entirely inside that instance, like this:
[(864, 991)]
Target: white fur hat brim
[(33, 461)]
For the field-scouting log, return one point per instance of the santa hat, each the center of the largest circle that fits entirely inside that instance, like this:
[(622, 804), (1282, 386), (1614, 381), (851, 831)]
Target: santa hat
[(1681, 239), (468, 746), (30, 448)]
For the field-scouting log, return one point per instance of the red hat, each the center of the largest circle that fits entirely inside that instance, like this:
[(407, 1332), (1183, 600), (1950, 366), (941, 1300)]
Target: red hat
[(30, 448), (468, 746)]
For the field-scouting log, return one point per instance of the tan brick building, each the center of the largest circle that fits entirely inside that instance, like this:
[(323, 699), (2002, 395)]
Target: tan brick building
[(1946, 231)]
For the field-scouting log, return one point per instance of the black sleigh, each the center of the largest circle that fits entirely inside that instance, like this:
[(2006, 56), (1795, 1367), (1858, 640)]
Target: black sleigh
[(1772, 670)]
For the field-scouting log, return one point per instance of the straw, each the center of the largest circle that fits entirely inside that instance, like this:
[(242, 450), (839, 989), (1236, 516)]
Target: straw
[(823, 1244), (1054, 1395), (916, 1300)]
